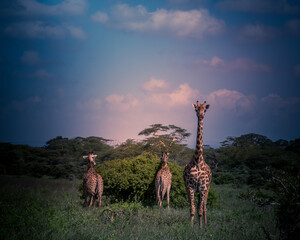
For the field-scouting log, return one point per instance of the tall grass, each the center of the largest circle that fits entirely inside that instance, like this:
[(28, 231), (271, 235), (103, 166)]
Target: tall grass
[(52, 209)]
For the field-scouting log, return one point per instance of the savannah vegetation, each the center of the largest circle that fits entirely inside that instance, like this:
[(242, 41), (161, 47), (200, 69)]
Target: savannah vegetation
[(254, 194)]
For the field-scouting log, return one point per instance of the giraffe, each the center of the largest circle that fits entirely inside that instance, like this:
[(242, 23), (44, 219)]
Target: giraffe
[(92, 182), (197, 174), (163, 180)]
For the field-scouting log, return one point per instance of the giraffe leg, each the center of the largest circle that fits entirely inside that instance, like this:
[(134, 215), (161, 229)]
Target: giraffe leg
[(85, 196), (100, 195), (168, 196), (204, 207), (163, 194), (200, 207), (158, 195), (91, 201), (192, 205)]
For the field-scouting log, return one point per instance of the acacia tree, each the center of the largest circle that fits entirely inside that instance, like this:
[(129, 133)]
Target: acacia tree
[(162, 138)]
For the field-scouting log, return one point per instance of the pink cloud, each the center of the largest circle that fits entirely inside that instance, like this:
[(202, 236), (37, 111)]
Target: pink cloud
[(230, 99), (182, 96), (154, 84), (121, 102)]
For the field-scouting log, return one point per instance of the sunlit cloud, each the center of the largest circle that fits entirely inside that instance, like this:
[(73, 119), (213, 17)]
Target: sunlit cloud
[(182, 96), (155, 84), (233, 100), (122, 116), (194, 24), (238, 65), (121, 102)]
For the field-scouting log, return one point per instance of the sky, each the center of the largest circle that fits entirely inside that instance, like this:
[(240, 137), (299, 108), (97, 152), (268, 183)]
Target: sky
[(112, 68)]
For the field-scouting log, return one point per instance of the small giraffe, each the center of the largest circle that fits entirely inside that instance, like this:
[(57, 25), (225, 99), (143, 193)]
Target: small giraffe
[(197, 174), (163, 181), (92, 182)]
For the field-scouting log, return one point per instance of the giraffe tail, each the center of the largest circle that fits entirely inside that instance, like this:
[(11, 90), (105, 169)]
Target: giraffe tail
[(96, 195)]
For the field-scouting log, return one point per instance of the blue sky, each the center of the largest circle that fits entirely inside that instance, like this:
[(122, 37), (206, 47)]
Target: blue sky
[(111, 68)]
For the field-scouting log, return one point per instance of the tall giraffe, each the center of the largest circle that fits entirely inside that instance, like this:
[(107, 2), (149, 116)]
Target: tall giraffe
[(163, 181), (92, 182), (197, 174)]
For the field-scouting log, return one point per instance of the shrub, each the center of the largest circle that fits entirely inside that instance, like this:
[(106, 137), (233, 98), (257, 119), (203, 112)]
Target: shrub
[(225, 179)]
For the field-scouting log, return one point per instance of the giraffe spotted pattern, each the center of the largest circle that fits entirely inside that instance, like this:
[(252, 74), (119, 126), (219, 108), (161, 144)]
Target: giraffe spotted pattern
[(92, 183), (197, 174), (163, 181)]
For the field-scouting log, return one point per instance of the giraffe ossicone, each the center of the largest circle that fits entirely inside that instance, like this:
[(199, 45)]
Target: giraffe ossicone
[(197, 174)]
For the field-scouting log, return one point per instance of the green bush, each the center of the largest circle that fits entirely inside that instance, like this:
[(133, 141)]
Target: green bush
[(133, 179), (225, 179)]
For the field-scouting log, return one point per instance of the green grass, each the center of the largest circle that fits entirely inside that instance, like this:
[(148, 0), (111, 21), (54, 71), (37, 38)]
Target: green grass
[(52, 209)]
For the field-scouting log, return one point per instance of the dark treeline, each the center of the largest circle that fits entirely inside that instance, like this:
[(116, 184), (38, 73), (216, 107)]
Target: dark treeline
[(247, 159)]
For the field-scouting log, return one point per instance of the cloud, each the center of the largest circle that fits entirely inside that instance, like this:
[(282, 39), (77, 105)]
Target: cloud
[(40, 30), (233, 100), (293, 26), (279, 106), (193, 24), (232, 113), (35, 8), (154, 85), (238, 65), (41, 74), (30, 57), (76, 32), (23, 105), (121, 102), (182, 96), (99, 17), (92, 105), (258, 6), (257, 33), (297, 70)]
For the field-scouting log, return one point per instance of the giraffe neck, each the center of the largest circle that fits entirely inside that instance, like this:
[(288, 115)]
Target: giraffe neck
[(198, 156), (90, 165)]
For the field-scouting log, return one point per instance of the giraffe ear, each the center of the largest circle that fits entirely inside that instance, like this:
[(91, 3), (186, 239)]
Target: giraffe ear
[(207, 106), (194, 106)]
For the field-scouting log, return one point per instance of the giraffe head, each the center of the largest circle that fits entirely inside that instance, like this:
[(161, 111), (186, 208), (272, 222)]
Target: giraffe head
[(164, 158), (200, 109), (91, 158)]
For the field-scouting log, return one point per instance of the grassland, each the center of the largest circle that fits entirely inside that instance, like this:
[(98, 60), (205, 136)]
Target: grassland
[(32, 208)]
